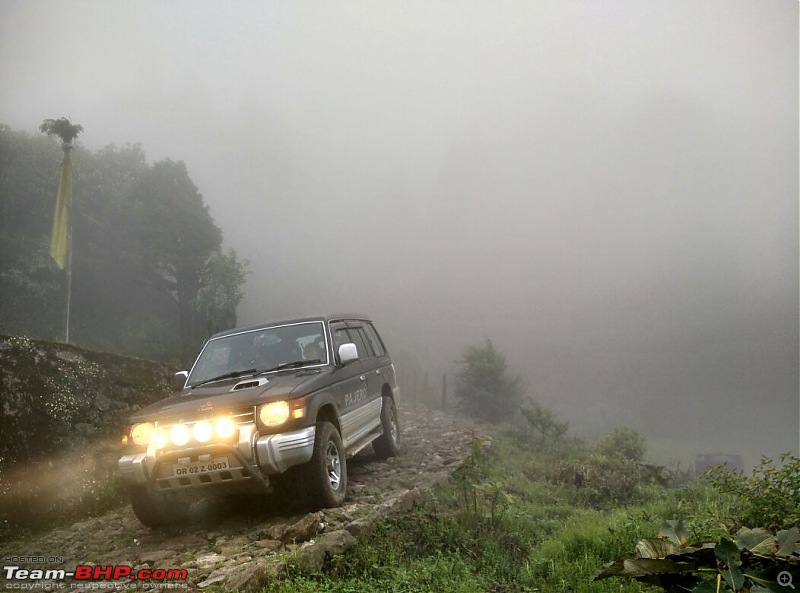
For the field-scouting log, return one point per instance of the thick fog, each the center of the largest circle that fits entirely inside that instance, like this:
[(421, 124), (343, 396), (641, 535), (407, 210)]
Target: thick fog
[(607, 190)]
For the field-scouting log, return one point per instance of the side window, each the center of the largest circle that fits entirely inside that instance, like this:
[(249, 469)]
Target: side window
[(339, 334), (358, 340), (374, 340)]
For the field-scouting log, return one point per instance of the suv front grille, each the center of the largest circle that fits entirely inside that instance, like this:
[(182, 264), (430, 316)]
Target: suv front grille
[(239, 416)]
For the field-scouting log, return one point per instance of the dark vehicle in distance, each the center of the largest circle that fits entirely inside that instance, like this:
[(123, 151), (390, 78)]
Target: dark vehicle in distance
[(276, 404)]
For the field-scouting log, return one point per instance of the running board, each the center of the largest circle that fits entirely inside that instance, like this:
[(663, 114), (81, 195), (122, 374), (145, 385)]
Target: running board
[(365, 440)]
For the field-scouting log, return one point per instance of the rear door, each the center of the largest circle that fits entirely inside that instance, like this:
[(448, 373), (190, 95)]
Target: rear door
[(369, 414), (350, 391), (379, 368), (375, 362)]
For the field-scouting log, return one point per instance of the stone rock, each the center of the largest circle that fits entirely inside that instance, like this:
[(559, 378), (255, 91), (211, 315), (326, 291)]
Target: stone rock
[(268, 545), (248, 573), (312, 558), (360, 526), (210, 560), (303, 530), (101, 402), (218, 576), (71, 356), (233, 546)]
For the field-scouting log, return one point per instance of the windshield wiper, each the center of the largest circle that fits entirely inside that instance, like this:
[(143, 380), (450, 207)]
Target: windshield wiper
[(231, 375), (292, 365)]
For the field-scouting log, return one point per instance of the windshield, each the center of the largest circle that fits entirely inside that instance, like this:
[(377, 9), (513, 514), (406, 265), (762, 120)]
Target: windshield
[(261, 350)]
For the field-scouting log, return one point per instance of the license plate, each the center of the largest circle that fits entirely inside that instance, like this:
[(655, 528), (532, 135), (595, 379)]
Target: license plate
[(194, 468)]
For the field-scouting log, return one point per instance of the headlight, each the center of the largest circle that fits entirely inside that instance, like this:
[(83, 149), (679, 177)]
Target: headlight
[(179, 435), (141, 433), (225, 428), (159, 439), (202, 431), (274, 413)]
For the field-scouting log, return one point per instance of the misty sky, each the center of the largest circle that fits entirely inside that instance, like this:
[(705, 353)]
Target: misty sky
[(607, 190)]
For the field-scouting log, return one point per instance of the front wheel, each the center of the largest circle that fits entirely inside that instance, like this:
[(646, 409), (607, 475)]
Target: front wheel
[(324, 478), (388, 444)]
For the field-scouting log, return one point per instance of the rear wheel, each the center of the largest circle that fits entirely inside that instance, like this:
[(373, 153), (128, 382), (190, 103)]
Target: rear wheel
[(388, 444), (324, 479), (157, 508)]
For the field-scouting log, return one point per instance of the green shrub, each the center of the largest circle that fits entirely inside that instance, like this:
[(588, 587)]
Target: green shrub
[(542, 421), (707, 513), (614, 475), (623, 442), (769, 498), (484, 387)]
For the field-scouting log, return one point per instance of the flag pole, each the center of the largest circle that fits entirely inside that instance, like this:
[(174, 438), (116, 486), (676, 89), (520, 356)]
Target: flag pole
[(61, 235), (69, 288)]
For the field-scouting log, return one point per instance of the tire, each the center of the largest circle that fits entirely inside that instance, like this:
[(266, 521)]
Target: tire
[(157, 508), (388, 444), (324, 479)]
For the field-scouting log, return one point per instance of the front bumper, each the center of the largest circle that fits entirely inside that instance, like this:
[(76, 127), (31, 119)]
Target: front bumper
[(250, 461)]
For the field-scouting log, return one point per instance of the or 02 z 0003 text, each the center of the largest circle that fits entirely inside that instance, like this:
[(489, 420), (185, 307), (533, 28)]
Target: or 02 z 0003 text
[(199, 469)]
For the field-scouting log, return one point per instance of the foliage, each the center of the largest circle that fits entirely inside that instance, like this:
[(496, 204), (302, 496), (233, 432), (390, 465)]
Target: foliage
[(145, 248), (543, 421), (609, 481), (613, 473), (221, 290), (484, 388), (172, 237), (29, 282), (63, 128), (707, 513), (751, 560), (483, 499), (769, 498), (500, 525), (623, 443)]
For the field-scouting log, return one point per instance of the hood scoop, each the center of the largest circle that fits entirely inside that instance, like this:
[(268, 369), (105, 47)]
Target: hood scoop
[(248, 383)]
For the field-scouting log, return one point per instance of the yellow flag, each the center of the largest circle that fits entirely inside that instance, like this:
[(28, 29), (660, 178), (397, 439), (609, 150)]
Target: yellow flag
[(59, 238)]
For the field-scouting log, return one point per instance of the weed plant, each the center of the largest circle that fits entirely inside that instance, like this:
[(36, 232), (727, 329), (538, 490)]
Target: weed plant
[(505, 522), (770, 498)]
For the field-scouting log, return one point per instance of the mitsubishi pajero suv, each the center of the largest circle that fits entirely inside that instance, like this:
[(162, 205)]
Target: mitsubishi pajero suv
[(281, 403)]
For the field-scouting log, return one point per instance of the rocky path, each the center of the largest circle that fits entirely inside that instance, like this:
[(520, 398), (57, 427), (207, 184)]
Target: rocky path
[(243, 545)]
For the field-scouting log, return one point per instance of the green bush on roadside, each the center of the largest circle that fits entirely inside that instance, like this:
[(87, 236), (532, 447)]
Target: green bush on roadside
[(769, 498)]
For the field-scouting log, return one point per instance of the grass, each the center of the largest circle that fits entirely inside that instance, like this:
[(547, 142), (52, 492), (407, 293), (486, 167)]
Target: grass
[(505, 522)]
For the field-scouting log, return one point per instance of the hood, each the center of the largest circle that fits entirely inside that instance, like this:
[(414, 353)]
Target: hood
[(220, 396)]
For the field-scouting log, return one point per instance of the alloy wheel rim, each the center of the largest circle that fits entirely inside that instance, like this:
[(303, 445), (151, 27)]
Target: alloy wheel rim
[(392, 426), (333, 465)]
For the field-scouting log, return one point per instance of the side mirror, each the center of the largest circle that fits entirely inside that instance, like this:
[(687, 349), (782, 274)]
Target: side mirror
[(347, 353), (179, 380)]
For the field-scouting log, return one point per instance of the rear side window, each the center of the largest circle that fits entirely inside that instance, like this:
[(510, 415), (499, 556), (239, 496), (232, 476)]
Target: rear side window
[(374, 340), (358, 340)]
